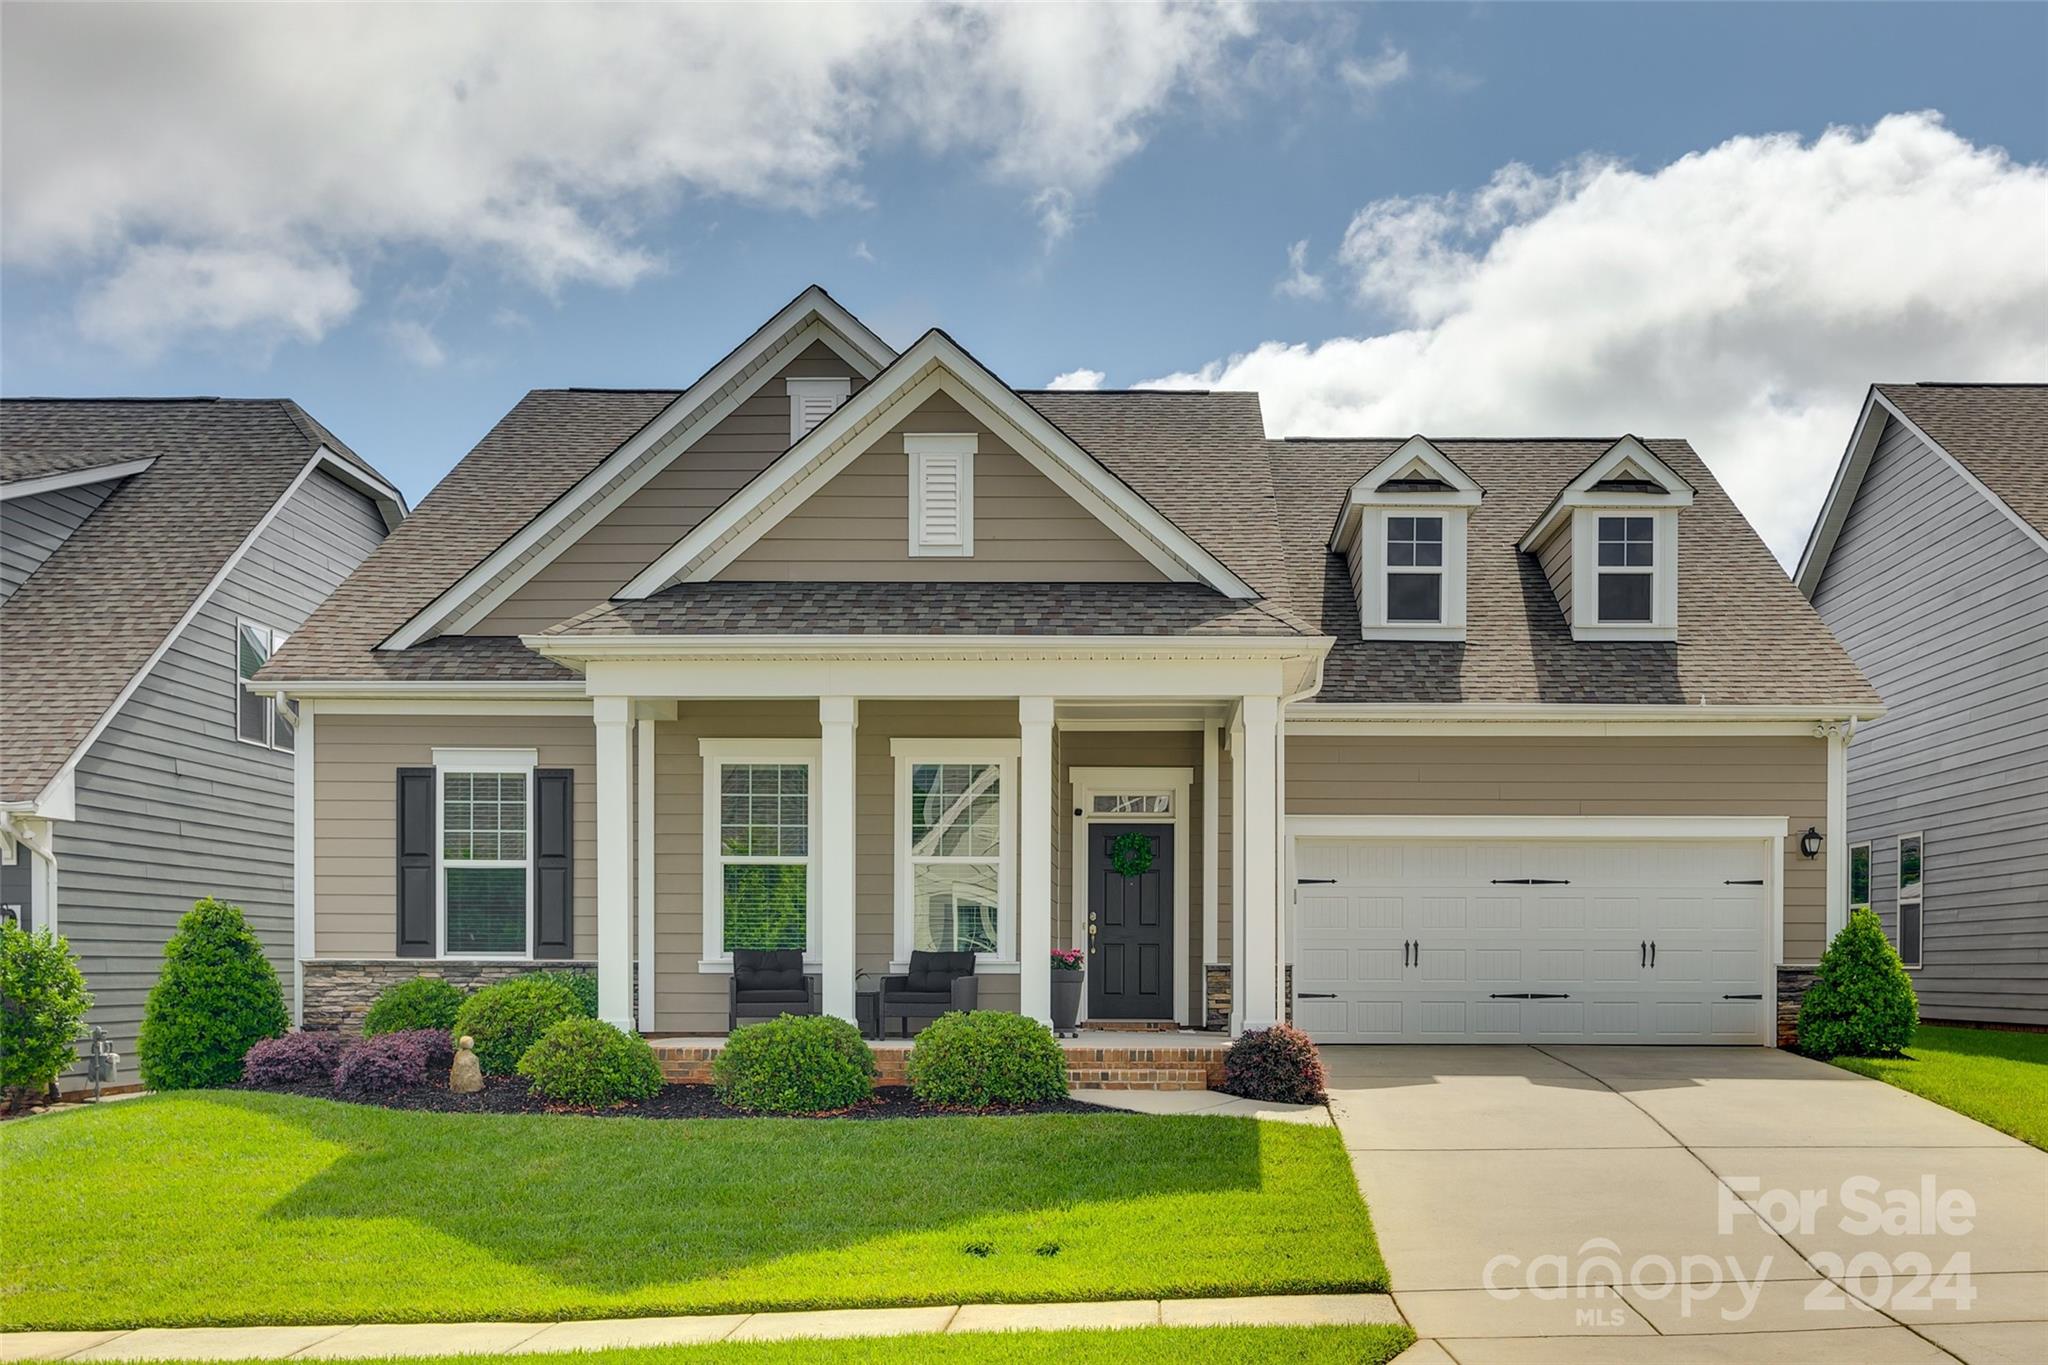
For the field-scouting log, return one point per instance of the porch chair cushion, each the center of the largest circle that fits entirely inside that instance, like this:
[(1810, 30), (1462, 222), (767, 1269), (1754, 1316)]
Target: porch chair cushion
[(757, 972), (936, 972)]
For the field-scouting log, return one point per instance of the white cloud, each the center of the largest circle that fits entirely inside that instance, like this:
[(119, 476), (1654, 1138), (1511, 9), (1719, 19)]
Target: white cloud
[(1078, 379), (415, 340), (155, 294), (1367, 77), (1299, 282), (861, 253), (537, 139), (1742, 297)]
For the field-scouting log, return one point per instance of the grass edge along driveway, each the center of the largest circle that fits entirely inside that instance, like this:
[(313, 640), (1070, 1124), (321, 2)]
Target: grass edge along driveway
[(1998, 1077), (239, 1208)]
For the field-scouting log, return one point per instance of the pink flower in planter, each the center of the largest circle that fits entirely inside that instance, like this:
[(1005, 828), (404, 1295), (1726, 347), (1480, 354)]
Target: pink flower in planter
[(1066, 959)]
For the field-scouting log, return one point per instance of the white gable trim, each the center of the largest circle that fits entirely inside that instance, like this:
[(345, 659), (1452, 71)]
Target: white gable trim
[(74, 478), (1581, 493), (934, 365), (810, 317), (1849, 476), (1416, 449)]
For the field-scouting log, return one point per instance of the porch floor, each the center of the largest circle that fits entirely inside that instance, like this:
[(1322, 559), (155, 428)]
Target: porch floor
[(1098, 1059)]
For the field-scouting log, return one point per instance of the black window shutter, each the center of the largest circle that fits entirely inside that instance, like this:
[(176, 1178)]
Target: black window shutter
[(416, 862), (554, 838)]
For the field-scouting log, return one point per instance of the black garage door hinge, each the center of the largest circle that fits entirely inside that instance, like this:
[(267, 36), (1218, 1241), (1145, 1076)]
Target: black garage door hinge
[(1315, 995), (1746, 881), (1528, 995), (1315, 881), (1532, 881), (1757, 996)]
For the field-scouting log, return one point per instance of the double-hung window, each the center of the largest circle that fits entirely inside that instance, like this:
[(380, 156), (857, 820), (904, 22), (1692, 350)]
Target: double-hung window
[(486, 843), (759, 833), (956, 876), (1627, 568), (1859, 876), (1415, 570), (1910, 871), (260, 719)]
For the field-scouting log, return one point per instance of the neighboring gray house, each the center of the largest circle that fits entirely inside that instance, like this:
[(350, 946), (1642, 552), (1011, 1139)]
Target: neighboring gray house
[(152, 553), (1930, 564)]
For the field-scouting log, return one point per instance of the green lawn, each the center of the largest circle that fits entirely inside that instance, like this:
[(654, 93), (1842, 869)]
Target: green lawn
[(1137, 1345), (1995, 1077), (225, 1208)]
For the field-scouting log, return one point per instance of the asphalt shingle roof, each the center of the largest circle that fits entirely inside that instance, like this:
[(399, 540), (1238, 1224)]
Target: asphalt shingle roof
[(82, 625), (1164, 609), (1999, 432)]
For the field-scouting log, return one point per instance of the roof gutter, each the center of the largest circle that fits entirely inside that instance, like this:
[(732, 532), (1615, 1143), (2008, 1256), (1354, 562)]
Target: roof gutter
[(572, 649), (1364, 714)]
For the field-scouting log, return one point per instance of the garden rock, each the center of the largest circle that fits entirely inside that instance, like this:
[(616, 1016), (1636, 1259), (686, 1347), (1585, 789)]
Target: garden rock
[(465, 1077)]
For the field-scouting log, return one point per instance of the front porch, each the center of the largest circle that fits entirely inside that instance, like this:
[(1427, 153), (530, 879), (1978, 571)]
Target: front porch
[(1097, 1059)]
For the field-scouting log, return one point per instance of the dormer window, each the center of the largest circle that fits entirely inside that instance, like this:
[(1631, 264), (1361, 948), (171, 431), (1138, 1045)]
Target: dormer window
[(1402, 530), (1608, 544), (811, 401), (1628, 568), (941, 493)]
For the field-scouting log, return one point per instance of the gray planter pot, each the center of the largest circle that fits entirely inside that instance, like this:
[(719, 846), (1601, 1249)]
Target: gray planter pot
[(1066, 1000)]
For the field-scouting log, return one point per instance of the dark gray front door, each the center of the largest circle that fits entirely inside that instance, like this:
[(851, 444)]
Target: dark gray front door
[(1130, 922)]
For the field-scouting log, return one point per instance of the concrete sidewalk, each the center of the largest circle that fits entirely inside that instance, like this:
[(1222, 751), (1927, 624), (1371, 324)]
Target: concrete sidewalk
[(524, 1338)]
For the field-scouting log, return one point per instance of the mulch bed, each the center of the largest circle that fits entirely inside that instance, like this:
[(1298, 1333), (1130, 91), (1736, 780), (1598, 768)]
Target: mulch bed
[(507, 1095)]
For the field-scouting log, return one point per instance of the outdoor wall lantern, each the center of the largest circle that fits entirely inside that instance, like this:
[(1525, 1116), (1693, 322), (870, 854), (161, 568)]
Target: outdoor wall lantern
[(1809, 843)]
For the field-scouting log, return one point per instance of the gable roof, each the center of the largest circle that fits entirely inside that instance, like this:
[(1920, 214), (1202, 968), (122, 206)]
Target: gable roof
[(1746, 636), (93, 617), (936, 363), (1996, 434), (1625, 470)]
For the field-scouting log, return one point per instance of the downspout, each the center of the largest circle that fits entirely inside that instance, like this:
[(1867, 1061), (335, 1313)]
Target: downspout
[(1283, 860)]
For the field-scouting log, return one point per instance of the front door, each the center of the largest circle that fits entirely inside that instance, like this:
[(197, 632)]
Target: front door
[(1130, 921)]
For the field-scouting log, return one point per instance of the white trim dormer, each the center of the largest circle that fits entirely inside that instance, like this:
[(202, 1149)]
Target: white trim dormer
[(941, 493), (1620, 517), (1402, 530)]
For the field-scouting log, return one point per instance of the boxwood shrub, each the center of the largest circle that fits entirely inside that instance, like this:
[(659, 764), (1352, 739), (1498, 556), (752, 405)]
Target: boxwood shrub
[(591, 1065), (984, 1058), (1861, 1003), (43, 1002), (374, 1068), (422, 1002), (797, 1064), (295, 1059), (1278, 1065), (508, 1018), (582, 985), (216, 998)]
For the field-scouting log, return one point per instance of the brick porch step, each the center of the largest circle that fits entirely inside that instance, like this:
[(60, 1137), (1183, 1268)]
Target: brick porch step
[(1144, 1063)]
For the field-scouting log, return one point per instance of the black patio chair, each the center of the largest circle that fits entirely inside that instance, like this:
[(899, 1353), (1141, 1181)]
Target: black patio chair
[(766, 983), (935, 983)]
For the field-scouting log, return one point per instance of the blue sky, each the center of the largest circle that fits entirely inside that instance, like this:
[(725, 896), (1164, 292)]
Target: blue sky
[(1182, 191)]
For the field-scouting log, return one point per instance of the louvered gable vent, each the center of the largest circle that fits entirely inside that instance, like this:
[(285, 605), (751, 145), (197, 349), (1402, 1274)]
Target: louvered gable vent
[(811, 401), (941, 493)]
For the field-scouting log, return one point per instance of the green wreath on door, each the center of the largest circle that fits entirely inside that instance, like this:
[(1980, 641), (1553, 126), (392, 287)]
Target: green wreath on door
[(1130, 854)]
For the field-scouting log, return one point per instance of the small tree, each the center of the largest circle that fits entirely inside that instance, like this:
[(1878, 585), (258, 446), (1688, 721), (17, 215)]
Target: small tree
[(43, 1001), (216, 998), (1861, 1003)]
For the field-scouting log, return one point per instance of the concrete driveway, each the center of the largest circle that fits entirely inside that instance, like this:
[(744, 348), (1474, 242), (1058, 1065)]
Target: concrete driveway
[(1696, 1204)]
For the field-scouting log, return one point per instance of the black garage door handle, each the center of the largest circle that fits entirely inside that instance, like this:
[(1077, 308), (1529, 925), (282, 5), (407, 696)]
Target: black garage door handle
[(1528, 995), (1757, 996), (1315, 995), (1532, 881)]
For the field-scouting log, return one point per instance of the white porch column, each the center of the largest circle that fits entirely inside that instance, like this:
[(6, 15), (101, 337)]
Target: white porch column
[(643, 866), (1258, 807), (614, 719), (838, 718), (1034, 859), (1835, 849)]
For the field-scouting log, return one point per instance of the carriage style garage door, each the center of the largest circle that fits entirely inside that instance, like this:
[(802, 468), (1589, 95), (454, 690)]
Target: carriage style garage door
[(1541, 940)]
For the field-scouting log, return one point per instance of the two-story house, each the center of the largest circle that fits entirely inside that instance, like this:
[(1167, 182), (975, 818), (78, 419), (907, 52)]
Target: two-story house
[(153, 554), (860, 651), (1930, 563)]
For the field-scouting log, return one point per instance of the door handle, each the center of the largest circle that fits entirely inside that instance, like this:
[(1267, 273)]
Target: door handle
[(1653, 953), (1643, 953)]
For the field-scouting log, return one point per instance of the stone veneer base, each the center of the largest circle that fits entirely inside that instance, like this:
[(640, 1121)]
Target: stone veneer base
[(339, 991), (1792, 984)]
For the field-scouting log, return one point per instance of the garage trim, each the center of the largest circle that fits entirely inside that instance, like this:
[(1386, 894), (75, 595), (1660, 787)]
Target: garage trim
[(1769, 829)]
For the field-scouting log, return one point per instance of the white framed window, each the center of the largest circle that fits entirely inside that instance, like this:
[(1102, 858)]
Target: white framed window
[(1859, 876), (941, 493), (956, 822), (259, 719), (1415, 569), (811, 401), (1626, 550), (760, 833), (1912, 872), (1131, 803), (483, 814), (1625, 573)]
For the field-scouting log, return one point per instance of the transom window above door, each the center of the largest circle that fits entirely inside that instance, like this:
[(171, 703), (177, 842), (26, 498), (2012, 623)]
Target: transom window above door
[(1132, 803)]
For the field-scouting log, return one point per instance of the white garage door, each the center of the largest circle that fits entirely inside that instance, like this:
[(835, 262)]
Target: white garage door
[(1499, 941)]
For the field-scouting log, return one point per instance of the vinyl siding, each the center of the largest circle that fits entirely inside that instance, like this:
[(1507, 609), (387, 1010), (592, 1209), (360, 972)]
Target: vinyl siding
[(1555, 555), (857, 526), (663, 511), (171, 806), (1461, 775), (32, 528), (355, 845), (1937, 596)]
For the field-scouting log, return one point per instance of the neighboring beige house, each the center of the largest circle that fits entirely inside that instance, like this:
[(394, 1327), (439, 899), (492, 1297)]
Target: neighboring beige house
[(860, 652)]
